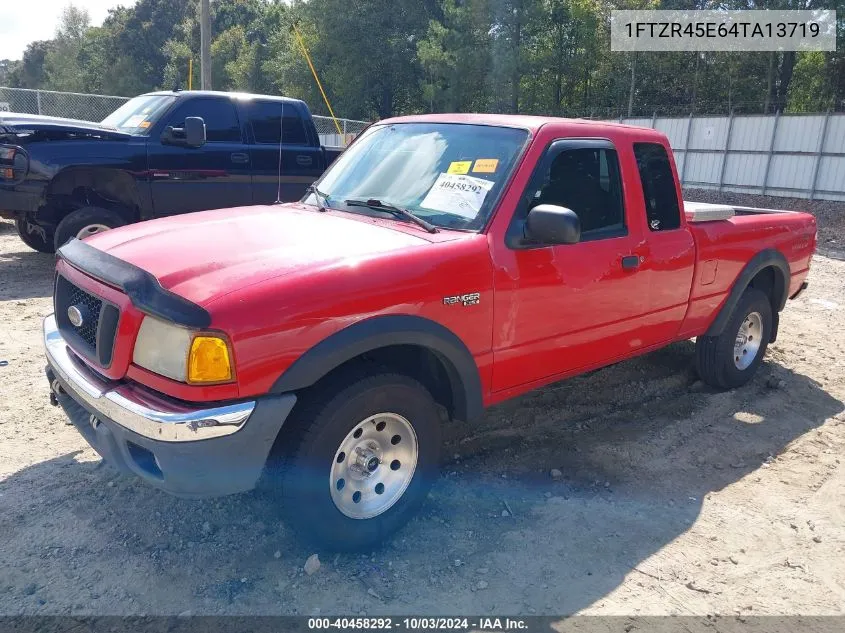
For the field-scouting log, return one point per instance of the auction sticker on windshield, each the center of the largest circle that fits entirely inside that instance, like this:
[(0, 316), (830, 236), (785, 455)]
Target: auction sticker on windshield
[(458, 194), (486, 165), (459, 167)]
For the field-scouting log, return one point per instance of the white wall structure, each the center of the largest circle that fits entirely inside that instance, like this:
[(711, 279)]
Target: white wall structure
[(789, 155)]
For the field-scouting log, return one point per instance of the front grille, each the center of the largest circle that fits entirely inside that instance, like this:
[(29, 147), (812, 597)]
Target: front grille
[(89, 305), (94, 338)]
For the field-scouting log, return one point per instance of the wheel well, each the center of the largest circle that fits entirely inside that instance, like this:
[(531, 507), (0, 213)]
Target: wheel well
[(75, 188), (428, 367), (770, 281)]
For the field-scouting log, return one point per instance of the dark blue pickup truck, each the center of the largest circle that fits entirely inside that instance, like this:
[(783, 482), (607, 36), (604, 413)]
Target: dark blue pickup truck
[(159, 154)]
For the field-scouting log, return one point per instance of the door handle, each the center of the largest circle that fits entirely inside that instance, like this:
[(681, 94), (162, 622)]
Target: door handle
[(239, 157), (630, 262)]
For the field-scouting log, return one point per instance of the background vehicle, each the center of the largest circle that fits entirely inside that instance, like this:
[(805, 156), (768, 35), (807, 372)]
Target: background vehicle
[(62, 178), (445, 263)]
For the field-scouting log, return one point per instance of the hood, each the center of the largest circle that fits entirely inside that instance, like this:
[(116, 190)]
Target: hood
[(201, 256), (55, 127)]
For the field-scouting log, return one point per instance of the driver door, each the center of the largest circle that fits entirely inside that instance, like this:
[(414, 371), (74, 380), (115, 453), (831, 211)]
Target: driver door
[(216, 175), (573, 306)]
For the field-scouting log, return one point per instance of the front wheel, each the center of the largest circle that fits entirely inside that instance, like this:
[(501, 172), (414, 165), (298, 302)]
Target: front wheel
[(359, 458), (85, 222), (35, 235), (731, 358)]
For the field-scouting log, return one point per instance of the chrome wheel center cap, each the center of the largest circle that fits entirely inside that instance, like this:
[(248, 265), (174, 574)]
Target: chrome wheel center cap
[(367, 459)]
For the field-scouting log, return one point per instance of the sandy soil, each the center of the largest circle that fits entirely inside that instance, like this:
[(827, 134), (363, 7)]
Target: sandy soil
[(675, 499)]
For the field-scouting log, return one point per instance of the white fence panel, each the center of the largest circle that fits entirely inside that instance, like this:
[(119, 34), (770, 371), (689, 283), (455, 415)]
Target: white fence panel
[(790, 171), (703, 168), (675, 129), (639, 122), (798, 156), (834, 138), (709, 133), (752, 133), (832, 173), (799, 134), (745, 170)]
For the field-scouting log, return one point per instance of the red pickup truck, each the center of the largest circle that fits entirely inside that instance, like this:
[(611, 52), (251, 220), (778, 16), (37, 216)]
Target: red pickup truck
[(444, 263)]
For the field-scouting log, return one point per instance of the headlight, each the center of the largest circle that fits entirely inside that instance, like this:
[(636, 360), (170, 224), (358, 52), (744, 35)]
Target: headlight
[(183, 355)]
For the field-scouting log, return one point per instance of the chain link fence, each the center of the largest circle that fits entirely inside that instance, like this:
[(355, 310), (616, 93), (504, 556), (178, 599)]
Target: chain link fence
[(69, 105), (329, 135), (698, 109), (90, 107)]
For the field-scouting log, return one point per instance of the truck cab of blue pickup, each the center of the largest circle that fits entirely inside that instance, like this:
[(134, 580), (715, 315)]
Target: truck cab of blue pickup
[(159, 154)]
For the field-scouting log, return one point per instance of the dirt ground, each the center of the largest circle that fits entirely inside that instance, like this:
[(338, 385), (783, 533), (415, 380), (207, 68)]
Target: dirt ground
[(675, 498)]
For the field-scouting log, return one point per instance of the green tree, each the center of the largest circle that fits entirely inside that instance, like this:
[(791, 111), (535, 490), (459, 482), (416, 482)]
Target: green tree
[(455, 57), (62, 65), (29, 71)]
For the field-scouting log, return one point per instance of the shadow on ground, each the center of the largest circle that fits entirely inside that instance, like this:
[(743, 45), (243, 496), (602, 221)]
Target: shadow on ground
[(25, 273), (640, 444)]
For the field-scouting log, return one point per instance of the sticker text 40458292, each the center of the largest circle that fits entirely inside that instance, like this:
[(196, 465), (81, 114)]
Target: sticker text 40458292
[(458, 194)]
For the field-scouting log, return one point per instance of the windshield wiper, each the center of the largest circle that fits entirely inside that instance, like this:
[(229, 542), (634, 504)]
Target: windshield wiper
[(399, 212), (322, 199)]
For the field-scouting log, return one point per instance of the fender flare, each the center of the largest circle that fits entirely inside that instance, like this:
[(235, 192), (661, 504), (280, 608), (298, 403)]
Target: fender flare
[(764, 259), (383, 331)]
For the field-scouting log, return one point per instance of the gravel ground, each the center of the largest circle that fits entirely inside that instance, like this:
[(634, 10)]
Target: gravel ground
[(673, 498)]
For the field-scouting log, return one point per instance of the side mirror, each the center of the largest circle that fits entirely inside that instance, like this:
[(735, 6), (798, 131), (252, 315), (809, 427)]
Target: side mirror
[(192, 135), (551, 224), (194, 131)]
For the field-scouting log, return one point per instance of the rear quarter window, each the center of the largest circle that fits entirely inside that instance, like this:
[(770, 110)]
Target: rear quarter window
[(663, 212), (264, 118)]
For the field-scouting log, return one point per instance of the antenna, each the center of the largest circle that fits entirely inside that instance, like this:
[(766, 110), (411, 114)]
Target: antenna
[(281, 132)]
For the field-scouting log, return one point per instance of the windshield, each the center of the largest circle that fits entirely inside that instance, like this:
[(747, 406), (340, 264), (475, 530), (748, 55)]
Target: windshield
[(138, 115), (447, 174)]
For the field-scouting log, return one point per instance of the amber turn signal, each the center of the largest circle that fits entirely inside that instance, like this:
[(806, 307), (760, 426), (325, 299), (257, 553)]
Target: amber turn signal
[(209, 361)]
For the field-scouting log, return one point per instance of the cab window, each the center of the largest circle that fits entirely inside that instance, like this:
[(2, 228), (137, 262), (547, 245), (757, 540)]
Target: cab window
[(264, 118), (221, 119), (587, 181), (661, 196)]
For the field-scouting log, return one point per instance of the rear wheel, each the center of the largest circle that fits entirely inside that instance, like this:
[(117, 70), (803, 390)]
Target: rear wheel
[(35, 235), (359, 457), (731, 358), (85, 222)]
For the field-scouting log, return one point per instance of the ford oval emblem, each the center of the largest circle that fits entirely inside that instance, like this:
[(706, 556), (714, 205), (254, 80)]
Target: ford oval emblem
[(74, 315)]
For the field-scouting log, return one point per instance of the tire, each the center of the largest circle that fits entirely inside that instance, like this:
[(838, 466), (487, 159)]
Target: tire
[(35, 235), (84, 222), (725, 361), (313, 459)]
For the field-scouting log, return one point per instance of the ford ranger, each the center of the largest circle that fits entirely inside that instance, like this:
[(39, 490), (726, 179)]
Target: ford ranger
[(443, 264), (159, 154)]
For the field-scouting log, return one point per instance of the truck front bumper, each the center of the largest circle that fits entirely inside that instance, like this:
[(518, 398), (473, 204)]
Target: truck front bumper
[(184, 450), (25, 197)]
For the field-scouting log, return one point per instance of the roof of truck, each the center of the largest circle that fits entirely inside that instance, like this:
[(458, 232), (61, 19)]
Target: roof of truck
[(227, 95), (528, 122)]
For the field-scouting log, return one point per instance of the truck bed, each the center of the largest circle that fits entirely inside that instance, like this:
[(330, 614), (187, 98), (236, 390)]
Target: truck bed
[(708, 212), (727, 237)]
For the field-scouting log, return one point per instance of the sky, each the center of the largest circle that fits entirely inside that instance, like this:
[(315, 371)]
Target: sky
[(24, 21)]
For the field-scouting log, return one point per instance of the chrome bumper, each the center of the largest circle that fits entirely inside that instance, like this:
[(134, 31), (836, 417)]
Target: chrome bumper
[(136, 409)]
